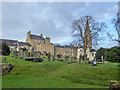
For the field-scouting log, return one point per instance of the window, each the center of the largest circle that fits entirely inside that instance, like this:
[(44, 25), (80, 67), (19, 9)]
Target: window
[(93, 54), (80, 50), (66, 49)]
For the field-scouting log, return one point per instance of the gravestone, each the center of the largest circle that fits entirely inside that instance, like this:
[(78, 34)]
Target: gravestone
[(3, 59), (49, 56), (80, 57), (16, 54), (21, 54), (32, 53), (5, 68), (53, 58), (35, 54), (39, 53), (102, 59), (28, 54)]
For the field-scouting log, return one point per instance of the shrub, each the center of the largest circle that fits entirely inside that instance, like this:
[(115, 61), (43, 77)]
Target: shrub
[(59, 55), (5, 49), (67, 57)]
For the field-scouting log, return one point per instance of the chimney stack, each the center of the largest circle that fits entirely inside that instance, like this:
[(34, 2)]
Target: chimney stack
[(47, 40), (41, 35)]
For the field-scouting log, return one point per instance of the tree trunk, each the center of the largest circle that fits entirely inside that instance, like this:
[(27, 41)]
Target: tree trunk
[(85, 58)]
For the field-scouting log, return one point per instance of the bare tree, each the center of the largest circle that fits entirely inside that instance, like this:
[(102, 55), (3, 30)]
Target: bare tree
[(116, 23), (86, 32)]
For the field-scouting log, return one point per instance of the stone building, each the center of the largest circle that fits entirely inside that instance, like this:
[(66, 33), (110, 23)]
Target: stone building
[(24, 45), (90, 53), (36, 43), (39, 43), (16, 45), (11, 43), (65, 50)]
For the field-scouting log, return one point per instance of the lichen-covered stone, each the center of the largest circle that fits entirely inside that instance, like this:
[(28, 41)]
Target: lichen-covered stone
[(5, 68), (3, 59)]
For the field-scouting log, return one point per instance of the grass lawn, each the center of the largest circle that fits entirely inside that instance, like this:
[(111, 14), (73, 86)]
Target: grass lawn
[(57, 74)]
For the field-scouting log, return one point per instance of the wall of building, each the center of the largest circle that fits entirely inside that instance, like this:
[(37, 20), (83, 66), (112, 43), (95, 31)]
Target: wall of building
[(29, 48), (89, 54), (49, 48), (72, 52)]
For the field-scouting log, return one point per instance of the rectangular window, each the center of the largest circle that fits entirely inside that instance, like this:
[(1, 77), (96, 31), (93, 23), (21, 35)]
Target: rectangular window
[(93, 54)]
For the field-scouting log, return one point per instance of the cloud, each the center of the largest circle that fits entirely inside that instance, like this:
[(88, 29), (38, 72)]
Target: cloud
[(53, 19)]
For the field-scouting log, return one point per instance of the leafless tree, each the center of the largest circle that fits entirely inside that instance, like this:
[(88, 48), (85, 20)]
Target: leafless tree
[(82, 36), (116, 23)]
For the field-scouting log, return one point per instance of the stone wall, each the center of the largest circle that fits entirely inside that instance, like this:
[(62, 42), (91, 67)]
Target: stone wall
[(49, 48), (66, 51)]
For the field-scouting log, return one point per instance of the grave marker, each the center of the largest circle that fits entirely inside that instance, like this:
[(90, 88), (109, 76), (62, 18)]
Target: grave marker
[(21, 54)]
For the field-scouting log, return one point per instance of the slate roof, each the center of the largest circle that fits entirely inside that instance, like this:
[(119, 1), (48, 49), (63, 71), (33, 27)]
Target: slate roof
[(64, 46), (9, 42), (92, 50), (24, 44), (36, 37)]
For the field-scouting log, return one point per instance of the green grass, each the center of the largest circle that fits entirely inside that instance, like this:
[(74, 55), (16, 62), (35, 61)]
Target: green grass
[(57, 74)]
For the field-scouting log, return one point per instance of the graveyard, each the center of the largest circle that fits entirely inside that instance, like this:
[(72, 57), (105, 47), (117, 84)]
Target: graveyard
[(55, 73)]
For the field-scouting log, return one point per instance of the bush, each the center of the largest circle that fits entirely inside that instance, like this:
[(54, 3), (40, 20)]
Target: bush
[(59, 55), (5, 49)]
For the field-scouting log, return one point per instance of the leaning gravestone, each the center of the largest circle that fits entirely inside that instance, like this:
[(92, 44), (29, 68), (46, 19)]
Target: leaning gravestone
[(5, 68), (21, 54)]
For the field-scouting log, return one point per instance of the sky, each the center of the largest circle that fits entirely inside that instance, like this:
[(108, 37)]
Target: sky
[(54, 19)]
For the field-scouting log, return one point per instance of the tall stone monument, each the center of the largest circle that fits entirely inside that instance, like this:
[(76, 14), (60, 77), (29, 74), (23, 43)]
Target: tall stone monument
[(21, 54)]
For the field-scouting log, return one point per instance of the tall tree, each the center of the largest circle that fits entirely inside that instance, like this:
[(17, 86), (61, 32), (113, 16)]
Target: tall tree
[(86, 32), (116, 23)]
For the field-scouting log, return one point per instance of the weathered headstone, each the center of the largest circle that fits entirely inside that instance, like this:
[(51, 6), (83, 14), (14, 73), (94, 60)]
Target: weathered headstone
[(3, 59), (95, 59), (80, 57), (53, 58), (5, 68), (21, 54), (39, 53), (35, 54), (16, 54), (32, 53), (28, 54), (49, 56), (102, 59)]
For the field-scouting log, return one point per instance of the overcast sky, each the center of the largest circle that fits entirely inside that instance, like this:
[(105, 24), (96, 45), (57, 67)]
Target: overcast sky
[(54, 19)]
